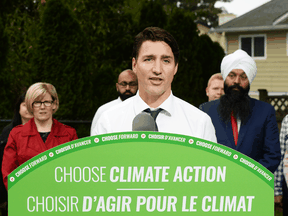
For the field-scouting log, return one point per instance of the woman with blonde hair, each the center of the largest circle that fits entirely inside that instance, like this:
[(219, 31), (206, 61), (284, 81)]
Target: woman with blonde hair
[(40, 133)]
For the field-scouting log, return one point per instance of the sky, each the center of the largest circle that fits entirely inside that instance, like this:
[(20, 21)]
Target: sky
[(240, 7)]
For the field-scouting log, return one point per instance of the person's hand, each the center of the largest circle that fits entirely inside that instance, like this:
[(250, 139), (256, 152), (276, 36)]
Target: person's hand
[(278, 206), (3, 205), (278, 199), (3, 208)]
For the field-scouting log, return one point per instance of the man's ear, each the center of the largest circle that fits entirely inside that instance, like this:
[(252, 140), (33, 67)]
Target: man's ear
[(117, 86), (207, 92), (176, 69), (134, 62)]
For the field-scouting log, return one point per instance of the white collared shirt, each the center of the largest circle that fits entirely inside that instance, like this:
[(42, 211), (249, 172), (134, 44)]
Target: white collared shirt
[(102, 109), (177, 117), (238, 124)]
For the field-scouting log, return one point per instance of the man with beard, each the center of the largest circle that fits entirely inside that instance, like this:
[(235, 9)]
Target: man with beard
[(243, 123), (126, 86)]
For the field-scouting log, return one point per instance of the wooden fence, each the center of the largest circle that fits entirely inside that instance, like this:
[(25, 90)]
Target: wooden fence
[(280, 104)]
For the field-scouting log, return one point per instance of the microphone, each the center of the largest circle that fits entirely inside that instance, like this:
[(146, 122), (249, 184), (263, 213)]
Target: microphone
[(143, 122)]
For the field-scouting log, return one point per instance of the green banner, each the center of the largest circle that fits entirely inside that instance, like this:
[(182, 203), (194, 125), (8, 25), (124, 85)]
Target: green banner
[(141, 173)]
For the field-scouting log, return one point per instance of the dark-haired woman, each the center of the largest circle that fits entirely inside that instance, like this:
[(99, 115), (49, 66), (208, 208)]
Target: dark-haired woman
[(21, 116)]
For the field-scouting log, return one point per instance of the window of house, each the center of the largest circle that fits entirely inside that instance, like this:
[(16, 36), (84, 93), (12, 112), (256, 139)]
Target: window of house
[(254, 45)]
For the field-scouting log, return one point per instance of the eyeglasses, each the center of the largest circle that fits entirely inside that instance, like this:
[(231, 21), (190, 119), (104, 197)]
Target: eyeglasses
[(124, 84), (39, 103)]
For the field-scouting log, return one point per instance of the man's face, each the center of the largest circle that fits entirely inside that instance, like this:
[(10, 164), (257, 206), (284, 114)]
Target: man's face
[(235, 99), (237, 77), (155, 68), (215, 89), (127, 85)]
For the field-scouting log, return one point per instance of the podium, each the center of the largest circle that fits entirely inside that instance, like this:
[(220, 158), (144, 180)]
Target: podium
[(141, 173)]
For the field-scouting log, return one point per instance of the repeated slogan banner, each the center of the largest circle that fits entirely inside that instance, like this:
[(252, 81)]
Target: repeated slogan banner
[(141, 173)]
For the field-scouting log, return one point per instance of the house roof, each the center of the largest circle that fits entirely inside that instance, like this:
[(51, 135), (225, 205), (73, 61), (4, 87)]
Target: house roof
[(270, 16)]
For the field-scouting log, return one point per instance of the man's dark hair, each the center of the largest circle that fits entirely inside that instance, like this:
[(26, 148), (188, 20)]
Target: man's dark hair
[(155, 34)]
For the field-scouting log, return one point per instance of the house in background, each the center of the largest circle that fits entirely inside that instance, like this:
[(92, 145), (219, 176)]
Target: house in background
[(215, 36), (263, 34)]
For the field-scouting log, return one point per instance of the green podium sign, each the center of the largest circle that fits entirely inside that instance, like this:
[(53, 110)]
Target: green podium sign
[(141, 173)]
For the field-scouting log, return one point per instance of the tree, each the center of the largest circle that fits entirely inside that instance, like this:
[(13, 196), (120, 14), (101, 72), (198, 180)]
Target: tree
[(203, 10), (4, 79), (81, 46), (110, 36), (152, 14), (188, 82), (20, 30), (62, 58), (209, 55), (200, 10), (3, 46)]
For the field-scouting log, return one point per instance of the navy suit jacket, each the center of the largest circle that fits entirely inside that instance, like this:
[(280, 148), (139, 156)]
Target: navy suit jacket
[(258, 137)]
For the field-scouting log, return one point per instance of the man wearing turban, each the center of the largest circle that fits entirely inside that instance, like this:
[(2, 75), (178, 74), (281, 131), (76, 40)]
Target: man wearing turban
[(243, 123)]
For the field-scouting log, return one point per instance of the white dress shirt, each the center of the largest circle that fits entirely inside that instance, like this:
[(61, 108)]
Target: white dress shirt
[(101, 109), (177, 117)]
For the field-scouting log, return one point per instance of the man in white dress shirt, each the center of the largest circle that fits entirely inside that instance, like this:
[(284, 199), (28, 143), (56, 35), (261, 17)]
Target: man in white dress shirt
[(126, 86), (155, 62)]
